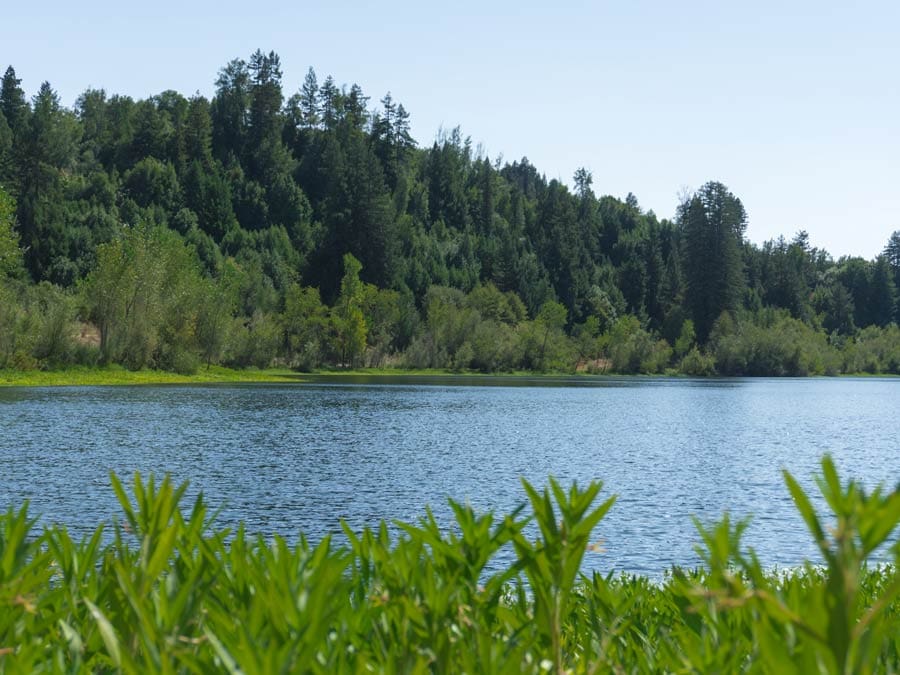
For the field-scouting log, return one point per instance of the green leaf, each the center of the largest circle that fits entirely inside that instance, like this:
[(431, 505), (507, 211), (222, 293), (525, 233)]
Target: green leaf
[(804, 506), (106, 632)]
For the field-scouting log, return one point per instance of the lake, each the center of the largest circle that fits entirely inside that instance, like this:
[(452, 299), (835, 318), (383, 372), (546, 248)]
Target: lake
[(299, 457)]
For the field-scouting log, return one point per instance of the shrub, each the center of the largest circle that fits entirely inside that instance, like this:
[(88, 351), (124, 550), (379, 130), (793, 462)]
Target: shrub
[(697, 364)]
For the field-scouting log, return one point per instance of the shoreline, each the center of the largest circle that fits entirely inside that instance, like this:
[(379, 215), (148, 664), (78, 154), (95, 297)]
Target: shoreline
[(119, 376)]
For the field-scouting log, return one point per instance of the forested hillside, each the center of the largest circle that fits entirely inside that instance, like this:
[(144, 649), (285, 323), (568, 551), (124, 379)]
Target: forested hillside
[(299, 223)]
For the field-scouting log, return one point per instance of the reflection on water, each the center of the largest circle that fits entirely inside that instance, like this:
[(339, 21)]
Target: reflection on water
[(291, 458)]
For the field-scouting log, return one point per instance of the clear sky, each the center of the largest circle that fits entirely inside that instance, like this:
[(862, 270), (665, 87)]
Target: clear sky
[(795, 106)]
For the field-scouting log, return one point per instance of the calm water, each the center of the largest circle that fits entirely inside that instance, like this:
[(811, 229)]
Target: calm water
[(292, 458)]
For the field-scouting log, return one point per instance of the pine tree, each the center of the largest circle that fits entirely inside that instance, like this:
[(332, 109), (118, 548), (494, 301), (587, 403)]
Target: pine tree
[(355, 112), (583, 181), (309, 101), (46, 151), (6, 152), (198, 133), (329, 102), (12, 100), (229, 111), (882, 293), (713, 224), (265, 98), (892, 253)]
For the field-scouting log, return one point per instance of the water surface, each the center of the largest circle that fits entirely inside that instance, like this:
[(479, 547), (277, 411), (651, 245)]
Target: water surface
[(299, 457)]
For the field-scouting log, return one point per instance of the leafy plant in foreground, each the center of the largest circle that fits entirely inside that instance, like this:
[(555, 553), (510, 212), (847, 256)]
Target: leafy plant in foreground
[(164, 592)]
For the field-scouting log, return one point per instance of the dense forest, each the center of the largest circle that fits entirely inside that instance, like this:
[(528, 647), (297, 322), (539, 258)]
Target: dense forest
[(303, 226)]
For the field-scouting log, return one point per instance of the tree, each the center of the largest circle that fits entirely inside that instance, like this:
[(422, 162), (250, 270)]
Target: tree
[(153, 132), (198, 133), (7, 166), (142, 296), (215, 311), (562, 248), (309, 101), (358, 216), (836, 305), (229, 110), (208, 194), (10, 253), (856, 275), (348, 318), (154, 184), (583, 181), (551, 319), (882, 293), (12, 100), (329, 103), (355, 108), (712, 223), (892, 253), (265, 100), (305, 325), (47, 149)]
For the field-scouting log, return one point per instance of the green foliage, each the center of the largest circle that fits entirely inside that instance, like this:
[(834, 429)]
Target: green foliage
[(771, 343), (713, 222), (305, 327), (348, 319), (163, 590), (279, 189), (10, 253), (253, 342), (697, 364), (686, 339), (875, 350), (142, 295), (631, 349)]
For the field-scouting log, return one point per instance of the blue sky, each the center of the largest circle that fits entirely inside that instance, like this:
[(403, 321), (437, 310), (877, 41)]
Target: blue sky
[(794, 105)]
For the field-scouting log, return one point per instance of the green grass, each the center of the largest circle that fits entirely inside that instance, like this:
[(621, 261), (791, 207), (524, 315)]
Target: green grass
[(116, 375), (163, 591)]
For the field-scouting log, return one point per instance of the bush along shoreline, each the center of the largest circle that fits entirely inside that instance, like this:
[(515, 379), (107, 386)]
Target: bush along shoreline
[(164, 591)]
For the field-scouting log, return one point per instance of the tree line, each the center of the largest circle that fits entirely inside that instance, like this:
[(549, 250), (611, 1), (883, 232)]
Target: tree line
[(304, 226)]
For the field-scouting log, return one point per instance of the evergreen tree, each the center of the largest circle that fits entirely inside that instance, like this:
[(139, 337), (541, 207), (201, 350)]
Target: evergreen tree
[(882, 293), (713, 223), (265, 98), (355, 108), (12, 101), (892, 253), (836, 305), (855, 274), (583, 182), (7, 166), (46, 151), (230, 111), (329, 103), (309, 101), (198, 133)]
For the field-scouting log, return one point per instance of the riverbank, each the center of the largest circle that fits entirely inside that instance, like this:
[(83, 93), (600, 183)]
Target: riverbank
[(116, 375)]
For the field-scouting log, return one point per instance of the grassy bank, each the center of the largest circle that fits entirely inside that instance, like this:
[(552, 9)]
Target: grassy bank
[(116, 375), (168, 593), (112, 375)]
